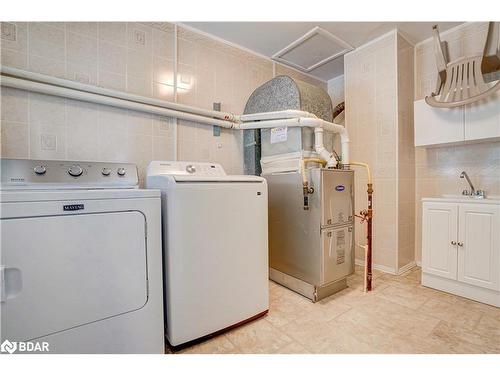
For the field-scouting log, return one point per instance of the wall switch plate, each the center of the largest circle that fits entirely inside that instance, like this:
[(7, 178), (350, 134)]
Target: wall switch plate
[(216, 129), (8, 31), (48, 142), (140, 37)]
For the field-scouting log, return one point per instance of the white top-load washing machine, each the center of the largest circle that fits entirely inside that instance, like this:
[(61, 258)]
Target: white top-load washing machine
[(215, 248), (80, 259)]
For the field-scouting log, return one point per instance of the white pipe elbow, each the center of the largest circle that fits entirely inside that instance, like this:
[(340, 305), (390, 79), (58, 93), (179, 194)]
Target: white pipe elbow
[(320, 148)]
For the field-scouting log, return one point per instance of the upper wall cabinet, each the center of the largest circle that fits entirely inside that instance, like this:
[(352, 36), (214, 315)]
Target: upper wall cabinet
[(482, 119), (477, 121)]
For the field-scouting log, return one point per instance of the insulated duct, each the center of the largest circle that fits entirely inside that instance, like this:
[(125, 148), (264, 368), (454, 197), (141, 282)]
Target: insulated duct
[(279, 94)]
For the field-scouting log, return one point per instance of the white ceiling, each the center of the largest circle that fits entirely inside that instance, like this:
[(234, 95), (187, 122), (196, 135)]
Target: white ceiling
[(267, 38)]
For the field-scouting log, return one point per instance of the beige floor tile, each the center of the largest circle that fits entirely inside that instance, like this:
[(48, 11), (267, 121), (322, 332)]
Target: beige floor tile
[(458, 339), (391, 318), (451, 312), (258, 337), (325, 338), (217, 345), (293, 348), (288, 307), (398, 316), (408, 297)]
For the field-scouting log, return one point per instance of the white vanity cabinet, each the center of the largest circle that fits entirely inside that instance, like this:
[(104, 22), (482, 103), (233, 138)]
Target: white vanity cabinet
[(473, 122), (461, 247)]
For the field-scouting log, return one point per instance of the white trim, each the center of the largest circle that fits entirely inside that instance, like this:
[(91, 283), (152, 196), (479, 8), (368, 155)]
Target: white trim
[(407, 267), (311, 33), (378, 267), (418, 263), (491, 297), (235, 45)]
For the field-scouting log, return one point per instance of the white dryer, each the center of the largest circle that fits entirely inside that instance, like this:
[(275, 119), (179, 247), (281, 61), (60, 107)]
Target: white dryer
[(215, 247), (80, 262)]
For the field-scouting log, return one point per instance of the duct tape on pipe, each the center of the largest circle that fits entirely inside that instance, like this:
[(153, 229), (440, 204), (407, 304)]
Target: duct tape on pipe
[(279, 134)]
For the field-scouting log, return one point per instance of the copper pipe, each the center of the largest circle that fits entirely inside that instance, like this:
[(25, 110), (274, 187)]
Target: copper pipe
[(369, 216)]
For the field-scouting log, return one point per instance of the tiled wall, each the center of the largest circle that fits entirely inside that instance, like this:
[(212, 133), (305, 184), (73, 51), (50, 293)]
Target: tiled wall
[(371, 119), (437, 169), (379, 117), (406, 154), (210, 71), (131, 57)]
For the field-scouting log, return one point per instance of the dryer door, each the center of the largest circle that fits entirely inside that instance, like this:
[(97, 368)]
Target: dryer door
[(64, 271)]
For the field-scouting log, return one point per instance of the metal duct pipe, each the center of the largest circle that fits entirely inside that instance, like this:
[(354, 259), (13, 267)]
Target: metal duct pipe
[(50, 89), (65, 83)]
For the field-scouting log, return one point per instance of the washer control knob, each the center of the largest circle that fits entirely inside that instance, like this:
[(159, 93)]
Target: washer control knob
[(75, 170), (190, 168), (106, 171), (121, 171), (40, 169)]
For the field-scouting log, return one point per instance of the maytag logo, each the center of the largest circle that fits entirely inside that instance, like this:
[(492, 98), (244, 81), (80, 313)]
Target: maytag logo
[(340, 187), (17, 179), (73, 207), (23, 347)]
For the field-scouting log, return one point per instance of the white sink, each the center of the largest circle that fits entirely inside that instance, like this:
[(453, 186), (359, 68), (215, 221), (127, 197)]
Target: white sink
[(493, 199)]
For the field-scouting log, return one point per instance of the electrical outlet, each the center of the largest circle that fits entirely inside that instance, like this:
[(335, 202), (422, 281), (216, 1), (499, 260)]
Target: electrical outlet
[(48, 142), (8, 31), (140, 37)]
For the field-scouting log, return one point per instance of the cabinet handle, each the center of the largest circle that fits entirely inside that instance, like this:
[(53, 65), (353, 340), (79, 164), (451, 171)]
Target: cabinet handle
[(460, 244), (453, 243)]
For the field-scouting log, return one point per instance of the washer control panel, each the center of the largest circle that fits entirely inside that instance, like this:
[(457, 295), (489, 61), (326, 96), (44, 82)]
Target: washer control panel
[(24, 173), (185, 168)]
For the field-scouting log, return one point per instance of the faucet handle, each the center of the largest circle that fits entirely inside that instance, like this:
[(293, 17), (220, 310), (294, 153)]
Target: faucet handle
[(480, 194)]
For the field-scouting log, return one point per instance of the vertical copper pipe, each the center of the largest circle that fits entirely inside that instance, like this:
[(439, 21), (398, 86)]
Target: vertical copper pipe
[(369, 240)]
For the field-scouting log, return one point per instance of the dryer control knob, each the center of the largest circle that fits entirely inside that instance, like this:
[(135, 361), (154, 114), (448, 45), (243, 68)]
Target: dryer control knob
[(191, 168), (75, 170), (106, 171), (40, 169), (121, 171)]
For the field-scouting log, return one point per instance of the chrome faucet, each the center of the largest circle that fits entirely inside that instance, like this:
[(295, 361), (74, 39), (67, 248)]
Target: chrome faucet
[(472, 193)]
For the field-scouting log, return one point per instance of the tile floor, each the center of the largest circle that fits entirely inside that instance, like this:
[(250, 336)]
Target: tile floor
[(398, 316)]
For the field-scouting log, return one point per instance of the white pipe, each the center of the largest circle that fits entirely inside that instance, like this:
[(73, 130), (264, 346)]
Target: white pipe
[(65, 83), (320, 148), (304, 122), (107, 100), (276, 115)]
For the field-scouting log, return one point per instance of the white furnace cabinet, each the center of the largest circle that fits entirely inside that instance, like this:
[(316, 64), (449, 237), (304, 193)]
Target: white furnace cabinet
[(461, 248)]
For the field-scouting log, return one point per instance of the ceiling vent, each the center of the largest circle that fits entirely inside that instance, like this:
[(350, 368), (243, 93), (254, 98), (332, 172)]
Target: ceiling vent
[(315, 48)]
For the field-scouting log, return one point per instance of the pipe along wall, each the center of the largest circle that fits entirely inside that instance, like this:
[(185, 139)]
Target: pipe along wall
[(281, 102)]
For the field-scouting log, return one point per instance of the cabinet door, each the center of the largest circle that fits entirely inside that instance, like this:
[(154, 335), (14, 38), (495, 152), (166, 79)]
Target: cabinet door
[(437, 125), (439, 232), (479, 237), (482, 119)]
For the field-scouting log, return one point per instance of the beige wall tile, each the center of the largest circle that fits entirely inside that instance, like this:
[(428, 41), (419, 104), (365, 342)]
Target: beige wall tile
[(14, 139)]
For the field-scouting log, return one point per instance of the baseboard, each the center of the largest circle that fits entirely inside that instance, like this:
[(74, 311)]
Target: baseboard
[(389, 270), (419, 263), (378, 267), (407, 267)]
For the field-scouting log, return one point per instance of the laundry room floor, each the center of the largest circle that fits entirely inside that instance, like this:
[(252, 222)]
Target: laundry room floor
[(398, 316)]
